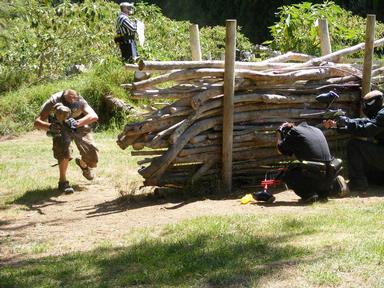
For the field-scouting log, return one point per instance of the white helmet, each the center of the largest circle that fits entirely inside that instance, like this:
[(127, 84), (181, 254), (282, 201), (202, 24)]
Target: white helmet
[(126, 4)]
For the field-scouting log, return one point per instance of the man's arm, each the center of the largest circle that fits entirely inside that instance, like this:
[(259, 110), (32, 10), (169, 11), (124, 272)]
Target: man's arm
[(131, 25), (282, 141), (362, 127), (278, 141), (89, 117), (41, 120)]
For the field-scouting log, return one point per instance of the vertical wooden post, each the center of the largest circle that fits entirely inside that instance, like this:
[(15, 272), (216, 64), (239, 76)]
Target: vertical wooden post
[(325, 40), (229, 91), (195, 42), (368, 54)]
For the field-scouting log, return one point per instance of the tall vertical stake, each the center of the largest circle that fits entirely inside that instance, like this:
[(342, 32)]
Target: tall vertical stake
[(325, 41), (368, 54), (229, 91), (195, 42)]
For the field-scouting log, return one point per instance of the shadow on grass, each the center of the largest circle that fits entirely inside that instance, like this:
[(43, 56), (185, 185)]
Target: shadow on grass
[(4, 222), (40, 198), (205, 259)]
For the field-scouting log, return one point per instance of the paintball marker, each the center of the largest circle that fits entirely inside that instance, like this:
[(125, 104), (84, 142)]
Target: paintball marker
[(265, 195), (61, 122), (328, 99)]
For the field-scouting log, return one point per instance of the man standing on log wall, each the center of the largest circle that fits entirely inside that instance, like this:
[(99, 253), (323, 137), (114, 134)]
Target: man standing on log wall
[(126, 30)]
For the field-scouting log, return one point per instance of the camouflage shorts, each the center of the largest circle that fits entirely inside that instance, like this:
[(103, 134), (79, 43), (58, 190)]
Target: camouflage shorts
[(84, 141)]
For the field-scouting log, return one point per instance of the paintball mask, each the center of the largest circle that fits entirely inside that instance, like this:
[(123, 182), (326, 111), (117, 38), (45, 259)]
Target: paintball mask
[(61, 112), (372, 103)]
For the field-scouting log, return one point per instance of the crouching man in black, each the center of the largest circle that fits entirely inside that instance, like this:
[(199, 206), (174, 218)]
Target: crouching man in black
[(315, 172), (365, 150)]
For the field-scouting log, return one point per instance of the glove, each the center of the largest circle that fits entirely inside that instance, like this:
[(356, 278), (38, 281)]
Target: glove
[(71, 123), (342, 122), (283, 129), (54, 130)]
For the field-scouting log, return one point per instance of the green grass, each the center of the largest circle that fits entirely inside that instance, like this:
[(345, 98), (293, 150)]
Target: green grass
[(331, 246), (27, 178)]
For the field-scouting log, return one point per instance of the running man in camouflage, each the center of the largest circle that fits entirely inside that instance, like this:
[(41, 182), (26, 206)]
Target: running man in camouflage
[(66, 116)]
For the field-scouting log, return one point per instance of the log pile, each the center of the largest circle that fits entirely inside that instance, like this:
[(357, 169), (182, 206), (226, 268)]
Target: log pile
[(184, 137)]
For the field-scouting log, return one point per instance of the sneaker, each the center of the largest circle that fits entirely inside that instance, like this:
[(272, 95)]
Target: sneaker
[(340, 187), (140, 76), (87, 172), (65, 188)]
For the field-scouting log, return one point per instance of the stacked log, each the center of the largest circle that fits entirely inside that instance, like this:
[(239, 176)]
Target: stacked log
[(181, 142)]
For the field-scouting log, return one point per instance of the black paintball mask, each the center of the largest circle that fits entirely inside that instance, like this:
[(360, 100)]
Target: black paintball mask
[(372, 105)]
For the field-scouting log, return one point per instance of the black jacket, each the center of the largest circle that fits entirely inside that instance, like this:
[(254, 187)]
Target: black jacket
[(305, 142), (365, 127)]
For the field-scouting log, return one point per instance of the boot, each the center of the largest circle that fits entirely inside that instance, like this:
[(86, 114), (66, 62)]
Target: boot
[(87, 172), (340, 187), (65, 188)]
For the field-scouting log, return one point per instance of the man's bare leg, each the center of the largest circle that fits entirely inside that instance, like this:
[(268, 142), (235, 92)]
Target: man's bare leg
[(63, 167), (63, 183)]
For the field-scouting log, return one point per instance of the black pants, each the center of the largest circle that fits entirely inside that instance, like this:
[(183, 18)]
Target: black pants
[(365, 163), (128, 50), (306, 185)]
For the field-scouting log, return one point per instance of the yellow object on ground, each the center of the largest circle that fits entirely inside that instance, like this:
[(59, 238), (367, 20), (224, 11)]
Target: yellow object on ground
[(246, 199)]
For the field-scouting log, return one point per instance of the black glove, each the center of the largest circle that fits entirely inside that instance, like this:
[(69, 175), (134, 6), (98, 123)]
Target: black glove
[(283, 130), (71, 123), (342, 121)]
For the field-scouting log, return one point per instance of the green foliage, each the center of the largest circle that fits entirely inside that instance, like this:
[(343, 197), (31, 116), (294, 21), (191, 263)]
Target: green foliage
[(48, 39), (213, 41), (296, 29), (20, 108), (169, 40), (165, 39)]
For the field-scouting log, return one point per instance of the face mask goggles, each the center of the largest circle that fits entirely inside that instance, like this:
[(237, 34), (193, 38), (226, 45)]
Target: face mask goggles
[(372, 106)]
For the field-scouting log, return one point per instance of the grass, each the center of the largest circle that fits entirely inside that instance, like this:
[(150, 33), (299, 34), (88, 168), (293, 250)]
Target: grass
[(27, 178), (336, 244), (332, 246)]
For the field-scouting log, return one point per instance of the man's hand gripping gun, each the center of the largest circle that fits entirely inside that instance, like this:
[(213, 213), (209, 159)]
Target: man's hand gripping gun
[(61, 121)]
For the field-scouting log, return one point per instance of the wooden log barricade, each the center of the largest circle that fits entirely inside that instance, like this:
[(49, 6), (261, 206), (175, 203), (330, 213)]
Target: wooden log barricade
[(182, 141)]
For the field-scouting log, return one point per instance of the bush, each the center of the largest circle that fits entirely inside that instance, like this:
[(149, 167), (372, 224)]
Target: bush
[(48, 38), (296, 28)]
